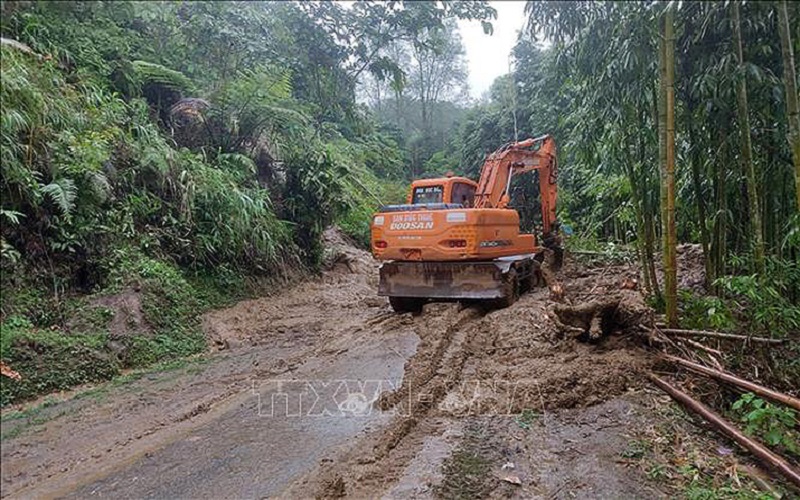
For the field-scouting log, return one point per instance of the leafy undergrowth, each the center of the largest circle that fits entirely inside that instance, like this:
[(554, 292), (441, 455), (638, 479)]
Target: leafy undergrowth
[(48, 360), (81, 344), (693, 462), (772, 423)]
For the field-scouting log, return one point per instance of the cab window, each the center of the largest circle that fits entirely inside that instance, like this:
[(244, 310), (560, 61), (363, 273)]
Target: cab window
[(427, 194), (463, 194)]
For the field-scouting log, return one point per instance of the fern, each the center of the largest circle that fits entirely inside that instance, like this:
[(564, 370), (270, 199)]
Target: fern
[(62, 192), (151, 73), (100, 185), (12, 216)]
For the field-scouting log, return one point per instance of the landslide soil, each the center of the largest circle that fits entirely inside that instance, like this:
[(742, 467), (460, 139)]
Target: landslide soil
[(195, 430)]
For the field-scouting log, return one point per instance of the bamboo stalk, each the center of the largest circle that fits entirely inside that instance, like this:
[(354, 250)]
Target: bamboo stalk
[(790, 85), (754, 212), (739, 382), (720, 335), (760, 451), (702, 347), (671, 239)]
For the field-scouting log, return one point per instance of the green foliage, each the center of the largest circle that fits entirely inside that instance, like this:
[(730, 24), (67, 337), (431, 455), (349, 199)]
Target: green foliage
[(155, 74), (526, 419), (766, 303), (48, 360), (314, 195), (636, 449), (230, 222), (704, 312), (776, 425)]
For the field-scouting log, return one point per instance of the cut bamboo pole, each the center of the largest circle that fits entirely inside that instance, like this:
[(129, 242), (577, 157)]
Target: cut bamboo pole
[(764, 454), (702, 347), (739, 382), (720, 335)]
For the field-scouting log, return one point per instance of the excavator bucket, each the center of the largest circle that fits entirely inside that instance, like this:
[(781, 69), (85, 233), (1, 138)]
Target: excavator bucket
[(443, 280)]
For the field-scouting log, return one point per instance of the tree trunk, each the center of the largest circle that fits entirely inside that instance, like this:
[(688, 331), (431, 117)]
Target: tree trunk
[(670, 252), (647, 218), (747, 147), (640, 222), (790, 84), (662, 136), (721, 218), (699, 197)]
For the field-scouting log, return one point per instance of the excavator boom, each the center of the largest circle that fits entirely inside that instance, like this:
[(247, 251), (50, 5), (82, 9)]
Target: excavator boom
[(518, 158)]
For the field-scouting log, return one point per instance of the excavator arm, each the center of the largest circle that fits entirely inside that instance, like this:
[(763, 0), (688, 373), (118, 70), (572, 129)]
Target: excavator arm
[(518, 158)]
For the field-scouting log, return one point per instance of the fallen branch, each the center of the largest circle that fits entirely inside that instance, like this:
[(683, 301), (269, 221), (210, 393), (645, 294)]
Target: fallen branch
[(720, 335), (702, 347), (768, 457), (601, 253), (739, 382)]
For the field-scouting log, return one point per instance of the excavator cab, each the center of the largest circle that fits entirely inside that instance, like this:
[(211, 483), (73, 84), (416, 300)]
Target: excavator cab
[(449, 190)]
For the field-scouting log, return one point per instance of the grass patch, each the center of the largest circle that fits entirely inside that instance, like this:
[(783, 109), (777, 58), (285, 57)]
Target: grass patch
[(80, 348), (526, 419), (467, 471), (49, 360), (37, 415)]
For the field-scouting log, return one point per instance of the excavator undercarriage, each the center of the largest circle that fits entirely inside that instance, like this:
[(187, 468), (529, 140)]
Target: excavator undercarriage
[(456, 280)]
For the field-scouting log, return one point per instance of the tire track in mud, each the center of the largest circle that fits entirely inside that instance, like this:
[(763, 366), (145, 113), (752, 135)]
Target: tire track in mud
[(429, 375)]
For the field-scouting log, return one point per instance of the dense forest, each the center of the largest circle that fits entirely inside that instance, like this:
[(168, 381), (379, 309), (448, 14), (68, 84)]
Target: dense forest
[(191, 153)]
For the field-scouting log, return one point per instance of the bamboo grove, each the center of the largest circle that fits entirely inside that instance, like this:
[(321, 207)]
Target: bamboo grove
[(680, 121)]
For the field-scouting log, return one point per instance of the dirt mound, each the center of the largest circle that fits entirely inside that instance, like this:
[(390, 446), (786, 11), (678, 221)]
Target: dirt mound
[(342, 256), (302, 312), (520, 359), (124, 310), (691, 268)]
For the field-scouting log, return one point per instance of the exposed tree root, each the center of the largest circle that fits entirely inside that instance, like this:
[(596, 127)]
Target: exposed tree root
[(598, 318)]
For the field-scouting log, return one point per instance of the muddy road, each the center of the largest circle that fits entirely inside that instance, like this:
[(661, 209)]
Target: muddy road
[(323, 391)]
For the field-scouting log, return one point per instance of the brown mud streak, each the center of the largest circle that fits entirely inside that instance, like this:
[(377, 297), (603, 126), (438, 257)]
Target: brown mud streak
[(439, 372)]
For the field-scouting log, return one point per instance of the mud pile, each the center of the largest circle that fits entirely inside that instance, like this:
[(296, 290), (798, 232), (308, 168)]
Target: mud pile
[(304, 311), (691, 268), (343, 257), (522, 358)]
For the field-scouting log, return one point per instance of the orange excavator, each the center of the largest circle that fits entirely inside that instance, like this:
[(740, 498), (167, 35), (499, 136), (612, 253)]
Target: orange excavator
[(456, 239)]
